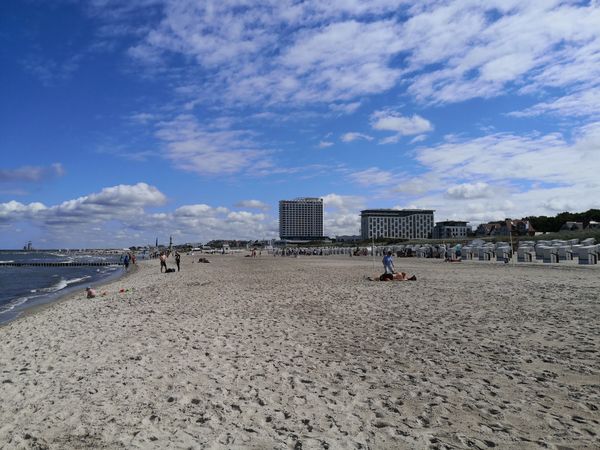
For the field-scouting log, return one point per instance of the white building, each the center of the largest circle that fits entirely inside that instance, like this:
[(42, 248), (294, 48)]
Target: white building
[(451, 229), (396, 223), (301, 218)]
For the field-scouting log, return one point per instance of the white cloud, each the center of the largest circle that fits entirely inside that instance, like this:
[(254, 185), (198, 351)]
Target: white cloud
[(342, 214), (343, 202), (373, 176), (419, 138), (31, 173), (416, 185), (403, 126), (287, 52), (481, 48), (577, 104), (245, 217), (253, 204), (469, 191), (525, 175), (207, 151), (14, 211), (345, 108), (119, 216), (325, 144), (353, 136), (205, 222), (332, 69), (122, 202), (199, 210), (505, 156)]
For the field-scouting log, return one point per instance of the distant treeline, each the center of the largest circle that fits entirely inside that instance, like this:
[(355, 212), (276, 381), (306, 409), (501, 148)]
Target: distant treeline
[(553, 224)]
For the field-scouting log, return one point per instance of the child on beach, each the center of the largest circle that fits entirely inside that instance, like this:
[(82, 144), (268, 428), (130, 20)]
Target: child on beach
[(91, 293)]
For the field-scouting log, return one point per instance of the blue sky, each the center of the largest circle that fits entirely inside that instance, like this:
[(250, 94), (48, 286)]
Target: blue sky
[(122, 121)]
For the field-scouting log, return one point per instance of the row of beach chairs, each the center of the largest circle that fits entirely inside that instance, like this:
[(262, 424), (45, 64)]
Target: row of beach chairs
[(586, 252)]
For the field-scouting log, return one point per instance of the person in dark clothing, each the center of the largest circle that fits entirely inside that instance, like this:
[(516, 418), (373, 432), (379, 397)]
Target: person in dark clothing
[(177, 260)]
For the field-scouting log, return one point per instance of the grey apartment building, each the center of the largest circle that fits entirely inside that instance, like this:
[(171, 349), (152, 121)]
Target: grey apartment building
[(301, 219), (396, 223)]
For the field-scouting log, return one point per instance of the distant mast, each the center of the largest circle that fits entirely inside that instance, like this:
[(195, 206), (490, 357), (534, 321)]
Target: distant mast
[(170, 243)]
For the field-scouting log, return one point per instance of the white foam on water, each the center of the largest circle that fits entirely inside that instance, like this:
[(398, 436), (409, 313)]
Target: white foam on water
[(78, 280), (60, 284), (13, 304)]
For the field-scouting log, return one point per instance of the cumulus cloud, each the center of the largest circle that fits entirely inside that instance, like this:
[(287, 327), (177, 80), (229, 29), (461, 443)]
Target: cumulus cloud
[(525, 175), (342, 214), (67, 220), (14, 211), (122, 216), (122, 202), (403, 126), (469, 191), (207, 222)]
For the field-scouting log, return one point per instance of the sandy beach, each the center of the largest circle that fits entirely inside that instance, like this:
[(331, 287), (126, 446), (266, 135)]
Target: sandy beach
[(305, 353)]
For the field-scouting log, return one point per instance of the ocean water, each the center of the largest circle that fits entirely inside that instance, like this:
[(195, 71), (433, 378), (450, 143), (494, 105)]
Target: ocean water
[(25, 287)]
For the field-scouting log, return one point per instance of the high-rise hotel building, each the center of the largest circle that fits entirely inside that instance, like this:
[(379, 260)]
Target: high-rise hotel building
[(301, 219), (396, 223)]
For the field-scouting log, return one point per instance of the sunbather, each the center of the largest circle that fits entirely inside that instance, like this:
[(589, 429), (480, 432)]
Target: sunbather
[(398, 276)]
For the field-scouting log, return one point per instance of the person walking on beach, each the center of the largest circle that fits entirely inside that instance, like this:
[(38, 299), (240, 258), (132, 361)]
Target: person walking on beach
[(163, 262), (177, 260), (126, 262)]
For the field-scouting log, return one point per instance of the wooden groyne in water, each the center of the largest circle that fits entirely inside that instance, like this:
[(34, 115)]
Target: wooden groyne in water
[(58, 264)]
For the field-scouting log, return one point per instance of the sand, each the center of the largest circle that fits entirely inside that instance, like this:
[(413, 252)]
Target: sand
[(305, 353)]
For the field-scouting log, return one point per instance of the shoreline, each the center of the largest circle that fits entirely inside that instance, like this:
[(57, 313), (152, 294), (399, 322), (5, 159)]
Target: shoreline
[(67, 294)]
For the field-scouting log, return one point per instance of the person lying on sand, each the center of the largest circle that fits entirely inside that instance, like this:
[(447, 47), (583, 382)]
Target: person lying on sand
[(398, 276)]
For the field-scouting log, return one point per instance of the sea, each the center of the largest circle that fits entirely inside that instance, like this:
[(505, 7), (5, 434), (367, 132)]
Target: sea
[(24, 287)]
